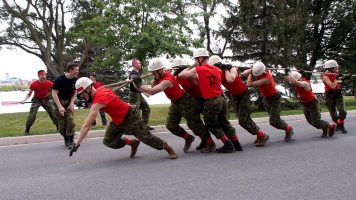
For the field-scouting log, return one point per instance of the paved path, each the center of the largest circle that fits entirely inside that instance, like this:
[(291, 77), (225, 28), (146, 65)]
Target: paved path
[(309, 167)]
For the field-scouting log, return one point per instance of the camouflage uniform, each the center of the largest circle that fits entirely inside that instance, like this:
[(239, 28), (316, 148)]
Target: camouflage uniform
[(335, 100), (65, 123), (137, 99), (34, 108), (243, 108), (273, 107), (134, 124), (187, 109), (215, 117), (312, 114)]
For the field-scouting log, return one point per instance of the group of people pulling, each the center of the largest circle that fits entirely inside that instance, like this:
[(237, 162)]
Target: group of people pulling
[(193, 91)]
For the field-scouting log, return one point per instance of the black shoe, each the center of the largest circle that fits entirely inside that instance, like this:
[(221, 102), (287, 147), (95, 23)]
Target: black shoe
[(237, 146), (337, 127), (227, 148), (66, 141), (342, 129), (201, 145), (70, 141), (188, 143)]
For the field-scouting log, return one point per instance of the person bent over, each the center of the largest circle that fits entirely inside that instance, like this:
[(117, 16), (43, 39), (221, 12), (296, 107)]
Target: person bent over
[(310, 104), (261, 78), (124, 118)]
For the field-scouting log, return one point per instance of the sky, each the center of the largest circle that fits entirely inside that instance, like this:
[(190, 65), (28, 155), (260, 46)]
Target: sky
[(19, 64)]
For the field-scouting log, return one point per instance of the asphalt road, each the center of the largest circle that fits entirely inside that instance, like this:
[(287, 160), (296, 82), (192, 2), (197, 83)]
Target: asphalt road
[(309, 167)]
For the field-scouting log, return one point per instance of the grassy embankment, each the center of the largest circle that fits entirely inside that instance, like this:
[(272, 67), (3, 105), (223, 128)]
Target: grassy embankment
[(13, 124)]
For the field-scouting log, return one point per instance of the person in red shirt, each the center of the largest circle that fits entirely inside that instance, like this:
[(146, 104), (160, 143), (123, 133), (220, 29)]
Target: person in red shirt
[(240, 97), (334, 98), (260, 77), (311, 107), (182, 104), (215, 105), (96, 85), (124, 118), (40, 87)]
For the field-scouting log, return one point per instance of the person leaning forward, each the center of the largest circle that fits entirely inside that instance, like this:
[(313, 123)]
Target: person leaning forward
[(215, 106), (40, 87), (182, 104), (124, 118), (64, 94)]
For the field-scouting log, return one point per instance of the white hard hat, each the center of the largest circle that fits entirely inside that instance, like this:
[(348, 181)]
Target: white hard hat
[(295, 75), (201, 52), (155, 64), (330, 64), (258, 68), (179, 62), (214, 59), (82, 83)]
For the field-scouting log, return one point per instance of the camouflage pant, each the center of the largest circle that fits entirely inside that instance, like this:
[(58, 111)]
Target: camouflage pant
[(243, 108), (134, 124), (312, 114), (140, 102), (215, 117), (273, 107), (65, 123), (186, 108), (34, 108), (335, 101)]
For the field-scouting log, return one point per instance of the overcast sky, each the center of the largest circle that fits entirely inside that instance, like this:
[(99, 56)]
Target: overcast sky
[(19, 64)]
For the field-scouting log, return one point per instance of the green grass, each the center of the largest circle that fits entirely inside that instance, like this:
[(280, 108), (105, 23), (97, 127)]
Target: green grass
[(14, 124)]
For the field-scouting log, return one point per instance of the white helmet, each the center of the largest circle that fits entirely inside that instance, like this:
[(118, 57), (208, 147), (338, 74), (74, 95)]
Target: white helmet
[(330, 64), (155, 64), (295, 75), (179, 62), (201, 52), (82, 83), (214, 59), (258, 68)]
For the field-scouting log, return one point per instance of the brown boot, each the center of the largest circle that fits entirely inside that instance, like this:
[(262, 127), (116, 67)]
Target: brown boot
[(325, 133), (331, 129), (171, 152), (262, 141), (209, 147), (188, 143), (134, 147)]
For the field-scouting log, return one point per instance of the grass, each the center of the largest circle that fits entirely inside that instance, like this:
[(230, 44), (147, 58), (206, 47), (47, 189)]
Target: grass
[(14, 124)]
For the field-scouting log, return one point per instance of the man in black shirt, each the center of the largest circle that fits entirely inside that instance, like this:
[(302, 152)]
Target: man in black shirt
[(135, 96), (63, 94)]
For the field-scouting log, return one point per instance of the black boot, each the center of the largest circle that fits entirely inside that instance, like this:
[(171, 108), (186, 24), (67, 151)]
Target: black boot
[(237, 146), (201, 145), (66, 141), (70, 141), (227, 148), (337, 127), (342, 128)]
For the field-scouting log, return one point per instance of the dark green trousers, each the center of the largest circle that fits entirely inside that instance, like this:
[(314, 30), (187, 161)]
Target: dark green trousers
[(65, 123), (273, 107), (34, 109), (133, 124), (141, 103), (313, 116), (335, 102)]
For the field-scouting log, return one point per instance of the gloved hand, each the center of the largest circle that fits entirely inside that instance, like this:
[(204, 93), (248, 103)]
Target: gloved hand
[(137, 81), (226, 67), (73, 149)]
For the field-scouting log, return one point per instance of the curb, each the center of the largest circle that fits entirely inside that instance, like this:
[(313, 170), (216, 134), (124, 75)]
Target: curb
[(157, 129)]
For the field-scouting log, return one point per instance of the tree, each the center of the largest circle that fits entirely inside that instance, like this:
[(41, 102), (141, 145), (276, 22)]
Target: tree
[(38, 28)]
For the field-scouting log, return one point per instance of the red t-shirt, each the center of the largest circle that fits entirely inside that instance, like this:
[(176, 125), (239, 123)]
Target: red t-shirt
[(41, 89), (97, 84), (332, 77), (189, 87), (304, 95), (175, 93), (236, 88), (267, 90), (209, 81), (115, 107)]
